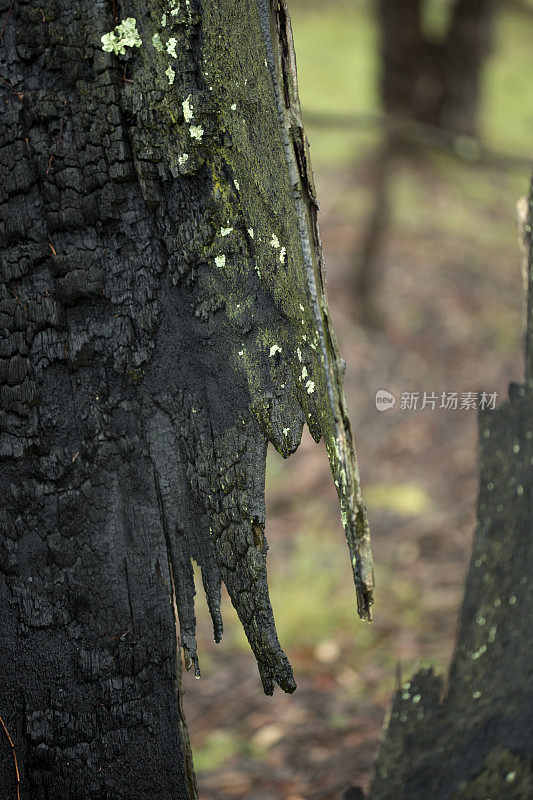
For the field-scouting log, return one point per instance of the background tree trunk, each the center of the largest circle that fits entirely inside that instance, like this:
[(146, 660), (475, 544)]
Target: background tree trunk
[(435, 82), (472, 738), (163, 319)]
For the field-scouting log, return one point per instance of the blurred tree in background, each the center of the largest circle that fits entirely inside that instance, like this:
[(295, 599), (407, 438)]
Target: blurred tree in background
[(435, 79), (430, 75)]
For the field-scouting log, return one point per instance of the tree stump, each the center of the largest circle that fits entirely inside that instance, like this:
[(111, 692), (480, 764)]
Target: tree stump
[(471, 737)]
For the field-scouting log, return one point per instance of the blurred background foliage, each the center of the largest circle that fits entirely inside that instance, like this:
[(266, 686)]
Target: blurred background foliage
[(446, 316)]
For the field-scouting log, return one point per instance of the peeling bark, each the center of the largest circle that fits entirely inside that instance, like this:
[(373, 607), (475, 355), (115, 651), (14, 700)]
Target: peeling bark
[(472, 739), (163, 319)]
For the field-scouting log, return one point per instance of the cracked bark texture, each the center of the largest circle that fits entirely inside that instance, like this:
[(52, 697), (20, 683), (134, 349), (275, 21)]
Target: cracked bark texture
[(163, 318), (471, 738)]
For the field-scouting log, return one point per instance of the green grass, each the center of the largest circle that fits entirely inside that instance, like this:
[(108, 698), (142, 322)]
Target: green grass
[(507, 108), (336, 49), (221, 746)]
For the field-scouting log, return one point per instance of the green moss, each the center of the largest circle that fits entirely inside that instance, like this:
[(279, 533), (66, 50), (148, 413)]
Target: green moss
[(267, 286)]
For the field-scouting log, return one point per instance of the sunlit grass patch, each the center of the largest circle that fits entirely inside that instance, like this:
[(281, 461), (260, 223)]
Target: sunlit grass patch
[(408, 499), (221, 746)]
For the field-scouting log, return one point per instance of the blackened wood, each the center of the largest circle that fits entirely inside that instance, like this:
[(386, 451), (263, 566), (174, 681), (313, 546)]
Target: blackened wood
[(163, 318)]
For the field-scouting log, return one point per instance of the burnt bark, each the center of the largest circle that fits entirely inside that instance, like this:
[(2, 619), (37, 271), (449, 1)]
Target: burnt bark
[(435, 82), (163, 318), (471, 738)]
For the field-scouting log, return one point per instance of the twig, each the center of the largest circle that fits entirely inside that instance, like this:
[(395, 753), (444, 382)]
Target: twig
[(10, 740), (7, 19)]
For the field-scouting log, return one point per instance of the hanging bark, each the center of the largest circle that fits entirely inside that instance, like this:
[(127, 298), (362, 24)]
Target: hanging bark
[(163, 319), (472, 738)]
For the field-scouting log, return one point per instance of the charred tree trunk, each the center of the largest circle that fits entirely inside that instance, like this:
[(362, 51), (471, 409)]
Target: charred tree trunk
[(472, 739), (163, 318)]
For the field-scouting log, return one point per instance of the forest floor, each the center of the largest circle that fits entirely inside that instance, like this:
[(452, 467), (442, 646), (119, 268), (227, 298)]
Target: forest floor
[(451, 309)]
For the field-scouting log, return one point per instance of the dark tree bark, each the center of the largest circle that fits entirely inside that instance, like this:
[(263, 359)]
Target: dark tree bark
[(435, 82), (472, 739), (163, 318)]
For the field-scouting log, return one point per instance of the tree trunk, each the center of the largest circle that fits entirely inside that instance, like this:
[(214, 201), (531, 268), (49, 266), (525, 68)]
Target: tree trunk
[(163, 319), (472, 738), (435, 82), (466, 49)]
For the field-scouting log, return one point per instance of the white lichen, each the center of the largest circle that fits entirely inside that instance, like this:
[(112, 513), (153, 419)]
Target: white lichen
[(187, 109), (170, 75), (225, 231), (164, 21), (182, 159), (124, 35), (234, 107), (275, 349), (286, 431), (220, 261), (157, 43), (310, 387), (171, 47), (282, 255), (304, 373), (236, 184), (196, 132), (274, 242), (251, 233)]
